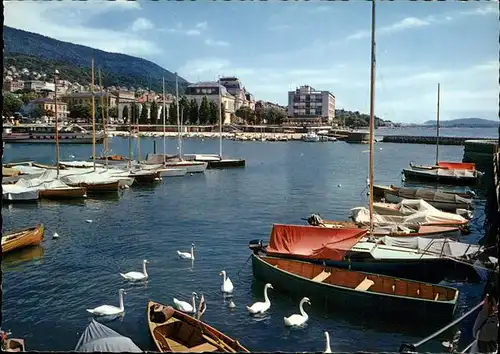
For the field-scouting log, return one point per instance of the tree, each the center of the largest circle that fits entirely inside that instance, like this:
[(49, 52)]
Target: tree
[(172, 114), (222, 117), (143, 118), (184, 107), (204, 112), (40, 112), (136, 113), (246, 114), (273, 115), (192, 114), (154, 113), (112, 112), (26, 97), (11, 104), (213, 112), (124, 114), (80, 111)]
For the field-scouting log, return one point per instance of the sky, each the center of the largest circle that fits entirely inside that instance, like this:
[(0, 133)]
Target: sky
[(276, 46)]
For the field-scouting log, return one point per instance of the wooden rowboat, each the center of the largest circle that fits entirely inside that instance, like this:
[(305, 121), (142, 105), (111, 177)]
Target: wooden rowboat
[(16, 239), (345, 288), (175, 332), (11, 344), (101, 187), (64, 193)]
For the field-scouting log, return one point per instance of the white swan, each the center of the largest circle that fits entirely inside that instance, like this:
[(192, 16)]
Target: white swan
[(261, 307), (186, 255), (186, 306), (327, 347), (227, 284), (108, 310), (136, 276), (297, 320)]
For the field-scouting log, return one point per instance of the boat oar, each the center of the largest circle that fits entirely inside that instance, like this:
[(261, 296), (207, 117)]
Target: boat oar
[(221, 344)]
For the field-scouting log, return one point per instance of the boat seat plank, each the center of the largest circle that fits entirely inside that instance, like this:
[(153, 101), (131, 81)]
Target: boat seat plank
[(437, 297), (321, 276), (204, 347), (161, 339), (364, 285)]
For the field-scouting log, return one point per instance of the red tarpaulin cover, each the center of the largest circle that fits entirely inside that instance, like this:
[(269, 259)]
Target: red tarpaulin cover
[(457, 165), (313, 242)]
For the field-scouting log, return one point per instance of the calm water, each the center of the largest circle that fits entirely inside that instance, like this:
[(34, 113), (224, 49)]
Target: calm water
[(423, 131), (44, 300)]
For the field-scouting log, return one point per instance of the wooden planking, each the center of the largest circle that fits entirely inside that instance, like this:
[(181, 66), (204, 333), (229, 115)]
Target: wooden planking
[(321, 276), (364, 285)]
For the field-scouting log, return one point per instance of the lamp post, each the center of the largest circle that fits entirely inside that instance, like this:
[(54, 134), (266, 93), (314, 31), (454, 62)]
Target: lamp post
[(56, 72)]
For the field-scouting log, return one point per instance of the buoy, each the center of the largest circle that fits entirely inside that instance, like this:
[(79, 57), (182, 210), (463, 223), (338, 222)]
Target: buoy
[(231, 305), (89, 221), (339, 185), (55, 235)]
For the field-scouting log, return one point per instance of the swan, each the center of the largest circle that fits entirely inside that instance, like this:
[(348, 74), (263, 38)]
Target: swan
[(185, 306), (135, 276), (227, 284), (261, 307), (108, 310), (55, 235), (297, 320), (186, 255), (327, 347)]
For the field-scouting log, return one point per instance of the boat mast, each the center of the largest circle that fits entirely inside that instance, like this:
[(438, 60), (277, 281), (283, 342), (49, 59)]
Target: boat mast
[(93, 114), (164, 137), (55, 113), (102, 117), (131, 114), (178, 116), (372, 117), (437, 124), (220, 118)]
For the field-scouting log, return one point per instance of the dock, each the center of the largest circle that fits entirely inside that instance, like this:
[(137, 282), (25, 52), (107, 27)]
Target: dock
[(443, 140)]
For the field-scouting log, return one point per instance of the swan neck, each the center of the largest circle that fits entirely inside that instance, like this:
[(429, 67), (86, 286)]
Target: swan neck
[(301, 308), (266, 298), (192, 252), (224, 275), (194, 303), (121, 301), (144, 268), (327, 347)]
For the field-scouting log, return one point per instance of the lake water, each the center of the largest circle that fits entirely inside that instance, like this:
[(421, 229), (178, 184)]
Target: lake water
[(44, 299)]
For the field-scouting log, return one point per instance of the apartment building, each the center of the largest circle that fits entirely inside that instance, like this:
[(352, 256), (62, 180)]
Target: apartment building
[(47, 105), (211, 91), (75, 98), (307, 105), (13, 85)]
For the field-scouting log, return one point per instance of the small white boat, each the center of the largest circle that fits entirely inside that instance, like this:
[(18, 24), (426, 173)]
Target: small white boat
[(172, 172), (310, 137)]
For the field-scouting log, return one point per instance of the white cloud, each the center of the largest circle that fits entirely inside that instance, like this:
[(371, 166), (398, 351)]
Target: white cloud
[(202, 25), (414, 22), (196, 30), (68, 21), (192, 32), (142, 24), (214, 43)]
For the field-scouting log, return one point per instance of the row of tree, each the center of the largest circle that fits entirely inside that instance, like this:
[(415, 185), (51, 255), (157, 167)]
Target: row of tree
[(269, 115), (190, 113)]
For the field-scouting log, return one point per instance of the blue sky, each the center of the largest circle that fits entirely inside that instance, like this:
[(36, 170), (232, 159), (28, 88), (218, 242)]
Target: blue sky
[(276, 46)]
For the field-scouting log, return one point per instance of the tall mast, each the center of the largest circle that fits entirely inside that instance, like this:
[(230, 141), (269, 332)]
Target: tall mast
[(55, 113), (220, 118), (164, 137), (93, 114), (131, 116), (372, 116), (178, 116), (102, 117), (437, 124)]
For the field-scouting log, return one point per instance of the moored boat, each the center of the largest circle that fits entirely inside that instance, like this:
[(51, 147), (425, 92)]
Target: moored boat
[(335, 247), (100, 338), (446, 176), (46, 133), (175, 332), (21, 238), (176, 162), (412, 206), (11, 344), (442, 200), (354, 289)]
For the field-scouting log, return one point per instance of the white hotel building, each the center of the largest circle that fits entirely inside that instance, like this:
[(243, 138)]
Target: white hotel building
[(306, 105)]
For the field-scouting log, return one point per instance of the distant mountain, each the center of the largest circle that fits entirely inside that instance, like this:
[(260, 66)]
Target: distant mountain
[(33, 51), (465, 122)]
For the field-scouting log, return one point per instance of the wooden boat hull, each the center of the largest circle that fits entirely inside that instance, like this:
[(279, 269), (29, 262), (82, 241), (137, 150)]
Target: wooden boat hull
[(427, 176), (145, 178), (390, 296), (226, 163), (107, 187), (17, 239), (64, 193), (14, 345), (174, 331)]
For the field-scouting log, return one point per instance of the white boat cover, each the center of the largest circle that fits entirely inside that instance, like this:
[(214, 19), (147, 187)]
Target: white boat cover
[(440, 246), (100, 338), (361, 215), (410, 206), (379, 251), (29, 170), (16, 192), (80, 163), (430, 195), (89, 177)]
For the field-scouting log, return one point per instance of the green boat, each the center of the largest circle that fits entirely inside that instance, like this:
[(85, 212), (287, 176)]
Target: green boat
[(354, 290)]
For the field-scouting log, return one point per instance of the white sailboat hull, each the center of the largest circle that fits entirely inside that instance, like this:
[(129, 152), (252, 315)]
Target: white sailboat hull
[(172, 172), (190, 166)]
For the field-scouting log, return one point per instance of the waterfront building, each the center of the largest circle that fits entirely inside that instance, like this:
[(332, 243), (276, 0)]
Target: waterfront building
[(307, 105), (13, 85), (86, 98), (37, 86), (211, 91), (46, 105)]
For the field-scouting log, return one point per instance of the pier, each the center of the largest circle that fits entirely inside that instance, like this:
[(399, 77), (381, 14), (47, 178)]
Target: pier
[(443, 140)]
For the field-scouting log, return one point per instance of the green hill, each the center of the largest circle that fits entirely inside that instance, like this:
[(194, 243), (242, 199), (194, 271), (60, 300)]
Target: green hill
[(465, 122), (40, 53)]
